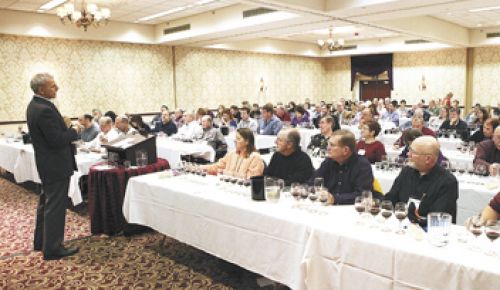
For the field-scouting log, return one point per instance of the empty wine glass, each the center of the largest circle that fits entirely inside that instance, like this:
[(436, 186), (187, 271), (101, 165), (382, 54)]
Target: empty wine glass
[(476, 229), (359, 206), (445, 165), (375, 209), (400, 211), (387, 208), (318, 184)]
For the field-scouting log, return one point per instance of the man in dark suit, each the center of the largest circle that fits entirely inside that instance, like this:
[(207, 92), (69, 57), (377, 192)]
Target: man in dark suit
[(55, 162)]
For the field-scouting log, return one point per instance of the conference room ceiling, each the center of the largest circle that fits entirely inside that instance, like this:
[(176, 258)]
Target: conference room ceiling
[(449, 23)]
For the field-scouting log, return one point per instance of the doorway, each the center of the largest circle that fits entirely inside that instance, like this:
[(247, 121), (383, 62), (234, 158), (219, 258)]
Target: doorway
[(374, 89)]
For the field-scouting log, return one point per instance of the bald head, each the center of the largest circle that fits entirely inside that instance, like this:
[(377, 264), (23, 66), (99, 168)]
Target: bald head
[(428, 145)]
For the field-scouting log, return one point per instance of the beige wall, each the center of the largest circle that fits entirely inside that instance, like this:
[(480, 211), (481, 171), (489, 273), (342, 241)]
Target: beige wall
[(107, 75), (486, 75), (139, 78), (209, 77)]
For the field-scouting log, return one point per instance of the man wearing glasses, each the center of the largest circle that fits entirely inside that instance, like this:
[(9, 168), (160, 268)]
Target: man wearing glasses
[(488, 153), (425, 180)]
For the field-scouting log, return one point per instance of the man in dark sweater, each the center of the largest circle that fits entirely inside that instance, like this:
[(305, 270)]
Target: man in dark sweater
[(425, 180), (346, 174), (289, 162)]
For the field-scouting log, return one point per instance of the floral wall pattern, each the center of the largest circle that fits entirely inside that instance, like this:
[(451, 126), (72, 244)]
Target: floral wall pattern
[(338, 79), (209, 77), (106, 75), (486, 75)]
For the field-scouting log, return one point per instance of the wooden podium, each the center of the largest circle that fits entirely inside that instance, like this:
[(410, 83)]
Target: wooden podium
[(126, 148)]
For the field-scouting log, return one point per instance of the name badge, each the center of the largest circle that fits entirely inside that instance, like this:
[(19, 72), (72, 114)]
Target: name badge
[(361, 151)]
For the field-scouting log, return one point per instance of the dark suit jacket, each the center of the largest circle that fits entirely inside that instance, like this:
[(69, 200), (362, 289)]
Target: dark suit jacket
[(54, 153)]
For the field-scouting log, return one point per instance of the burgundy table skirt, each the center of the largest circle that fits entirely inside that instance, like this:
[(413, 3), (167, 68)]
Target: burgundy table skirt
[(106, 194)]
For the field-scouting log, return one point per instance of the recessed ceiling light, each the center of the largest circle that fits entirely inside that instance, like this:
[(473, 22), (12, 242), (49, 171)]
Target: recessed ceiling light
[(51, 4), (485, 9), (164, 13)]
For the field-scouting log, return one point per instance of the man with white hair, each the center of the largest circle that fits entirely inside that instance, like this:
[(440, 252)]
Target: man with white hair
[(123, 127), (106, 135), (191, 127), (212, 135), (425, 180)]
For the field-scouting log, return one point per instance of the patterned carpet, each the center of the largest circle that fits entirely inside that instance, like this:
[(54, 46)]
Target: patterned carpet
[(103, 263)]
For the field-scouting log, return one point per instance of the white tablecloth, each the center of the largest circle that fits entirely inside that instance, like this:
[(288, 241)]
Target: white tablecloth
[(261, 141), (19, 159), (445, 143), (305, 136), (172, 150), (261, 237), (297, 247), (454, 156), (343, 255)]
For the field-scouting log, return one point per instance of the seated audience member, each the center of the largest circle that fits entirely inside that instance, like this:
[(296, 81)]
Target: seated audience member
[(410, 136), (433, 109), (96, 115), (456, 124), (190, 129), (485, 132), (345, 173), (366, 116), (425, 180), (200, 113), (341, 113), (390, 114), (157, 118), (436, 121), (123, 128), (235, 112), (212, 136), (87, 129), (220, 109), (289, 162), (418, 124), (320, 140), (369, 147), (283, 114), (111, 114), (488, 152), (106, 135), (402, 110), (227, 119), (166, 125), (255, 112), (244, 161), (269, 124), (481, 116), (247, 121), (178, 118), (137, 123), (300, 118)]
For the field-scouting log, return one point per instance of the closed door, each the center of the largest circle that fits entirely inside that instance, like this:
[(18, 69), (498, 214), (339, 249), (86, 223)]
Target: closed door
[(374, 89)]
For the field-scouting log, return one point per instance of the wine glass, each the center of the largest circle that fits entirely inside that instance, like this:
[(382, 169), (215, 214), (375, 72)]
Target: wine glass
[(318, 184), (296, 190), (375, 209), (476, 229), (481, 170), (359, 206), (387, 208), (400, 211), (492, 231), (445, 165)]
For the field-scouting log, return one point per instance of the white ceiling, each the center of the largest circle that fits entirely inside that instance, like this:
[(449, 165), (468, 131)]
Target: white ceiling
[(357, 21)]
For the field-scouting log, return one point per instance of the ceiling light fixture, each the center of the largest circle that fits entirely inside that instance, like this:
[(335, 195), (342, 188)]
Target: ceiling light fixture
[(51, 4), (86, 16), (330, 43)]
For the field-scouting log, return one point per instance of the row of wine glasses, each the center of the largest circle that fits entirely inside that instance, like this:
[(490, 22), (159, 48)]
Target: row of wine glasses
[(467, 147), (192, 168), (365, 204), (465, 167), (314, 193), (491, 230), (391, 163), (229, 177)]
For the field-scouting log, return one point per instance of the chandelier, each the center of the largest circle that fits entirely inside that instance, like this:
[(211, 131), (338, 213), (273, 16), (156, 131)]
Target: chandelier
[(331, 44), (89, 14)]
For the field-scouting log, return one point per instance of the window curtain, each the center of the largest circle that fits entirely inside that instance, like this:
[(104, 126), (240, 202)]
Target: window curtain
[(371, 65)]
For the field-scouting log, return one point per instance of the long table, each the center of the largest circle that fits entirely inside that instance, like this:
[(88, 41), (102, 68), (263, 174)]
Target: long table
[(296, 247), (19, 159), (172, 150)]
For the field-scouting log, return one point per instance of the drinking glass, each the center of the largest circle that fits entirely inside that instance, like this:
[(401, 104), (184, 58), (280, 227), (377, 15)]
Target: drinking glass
[(481, 170), (387, 208), (492, 231), (141, 158), (318, 184), (400, 211), (367, 199), (445, 165), (359, 206), (476, 230), (296, 190)]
